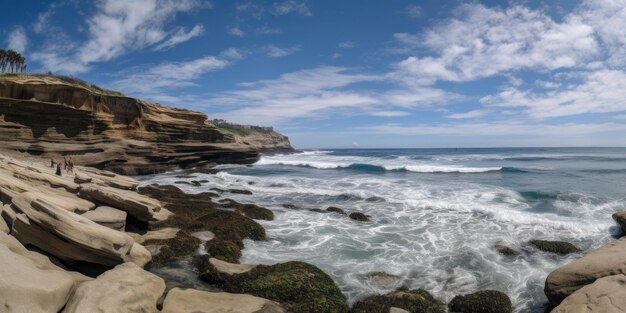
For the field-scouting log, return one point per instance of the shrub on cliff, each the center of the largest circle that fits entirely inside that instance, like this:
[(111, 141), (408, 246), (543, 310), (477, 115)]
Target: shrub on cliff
[(414, 301), (484, 301)]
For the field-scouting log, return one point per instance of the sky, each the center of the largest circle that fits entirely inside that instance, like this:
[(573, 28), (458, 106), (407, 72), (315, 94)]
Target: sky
[(352, 73)]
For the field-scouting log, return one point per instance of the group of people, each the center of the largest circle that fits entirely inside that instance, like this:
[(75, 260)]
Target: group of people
[(68, 165)]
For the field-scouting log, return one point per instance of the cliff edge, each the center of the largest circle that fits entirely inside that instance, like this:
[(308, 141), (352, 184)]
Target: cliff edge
[(50, 116)]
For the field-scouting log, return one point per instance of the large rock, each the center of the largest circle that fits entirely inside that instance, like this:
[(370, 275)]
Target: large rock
[(66, 235), (108, 216), (620, 218), (484, 301), (126, 288), (196, 301), (105, 178), (36, 176), (605, 261), (29, 282), (417, 300), (142, 208), (49, 117), (216, 271), (605, 295)]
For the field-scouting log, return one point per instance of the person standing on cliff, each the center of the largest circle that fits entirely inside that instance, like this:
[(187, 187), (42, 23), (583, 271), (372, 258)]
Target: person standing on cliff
[(64, 163), (70, 166), (52, 163), (58, 169)]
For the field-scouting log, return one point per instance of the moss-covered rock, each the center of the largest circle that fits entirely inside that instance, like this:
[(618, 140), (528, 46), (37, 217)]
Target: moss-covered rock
[(240, 191), (358, 216), (414, 301), (299, 286), (504, 250), (484, 301), (558, 247), (207, 271), (250, 210), (335, 210), (171, 249), (231, 226), (225, 250)]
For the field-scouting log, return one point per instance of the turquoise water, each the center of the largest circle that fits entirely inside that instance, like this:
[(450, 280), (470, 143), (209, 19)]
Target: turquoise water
[(435, 214)]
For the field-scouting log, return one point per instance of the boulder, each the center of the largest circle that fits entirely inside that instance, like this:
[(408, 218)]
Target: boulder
[(620, 218), (417, 300), (82, 178), (105, 178), (108, 217), (298, 286), (216, 271), (8, 215), (125, 288), (605, 295), (192, 301), (335, 210), (357, 216), (608, 260), (484, 301), (139, 255), (558, 247), (29, 282), (505, 250), (66, 235), (142, 208), (159, 234)]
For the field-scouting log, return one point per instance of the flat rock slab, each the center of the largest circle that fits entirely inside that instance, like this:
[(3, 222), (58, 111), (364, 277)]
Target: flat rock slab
[(66, 235), (605, 295), (142, 208), (230, 268), (126, 288), (105, 178), (159, 234), (193, 301), (29, 282), (108, 216), (204, 236), (608, 260)]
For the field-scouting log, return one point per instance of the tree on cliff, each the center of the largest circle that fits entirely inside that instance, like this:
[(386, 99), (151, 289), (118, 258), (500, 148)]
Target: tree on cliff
[(11, 61)]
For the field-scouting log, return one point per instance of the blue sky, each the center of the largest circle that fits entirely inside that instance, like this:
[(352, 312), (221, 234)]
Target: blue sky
[(340, 74)]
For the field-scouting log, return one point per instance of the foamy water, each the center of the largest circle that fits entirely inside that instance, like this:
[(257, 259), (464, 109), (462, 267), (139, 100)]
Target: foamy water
[(436, 214)]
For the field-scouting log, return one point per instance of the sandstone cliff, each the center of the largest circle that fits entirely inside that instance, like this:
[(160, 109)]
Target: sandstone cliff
[(50, 117)]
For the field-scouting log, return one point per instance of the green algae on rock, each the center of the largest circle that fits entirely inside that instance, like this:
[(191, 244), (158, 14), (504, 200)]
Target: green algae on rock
[(484, 301), (250, 210), (298, 286), (558, 247), (414, 301), (171, 249)]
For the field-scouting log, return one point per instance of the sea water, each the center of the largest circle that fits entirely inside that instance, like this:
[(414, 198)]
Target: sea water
[(436, 214)]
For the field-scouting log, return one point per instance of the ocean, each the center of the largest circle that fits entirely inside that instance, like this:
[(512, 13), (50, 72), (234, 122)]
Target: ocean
[(436, 214)]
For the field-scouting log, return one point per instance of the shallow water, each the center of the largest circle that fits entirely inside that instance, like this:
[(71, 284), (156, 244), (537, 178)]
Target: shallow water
[(436, 214)]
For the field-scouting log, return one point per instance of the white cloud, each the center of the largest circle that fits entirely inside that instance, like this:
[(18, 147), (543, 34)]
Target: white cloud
[(267, 30), (468, 115), (117, 27), (498, 129), (277, 52), (235, 31), (608, 19), (291, 6), (180, 36), (322, 91), (346, 45), (481, 42), (17, 40), (389, 113), (620, 117), (173, 74), (599, 91), (413, 11)]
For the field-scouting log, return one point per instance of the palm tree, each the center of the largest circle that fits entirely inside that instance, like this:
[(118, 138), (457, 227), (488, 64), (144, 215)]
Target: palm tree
[(12, 61), (3, 60)]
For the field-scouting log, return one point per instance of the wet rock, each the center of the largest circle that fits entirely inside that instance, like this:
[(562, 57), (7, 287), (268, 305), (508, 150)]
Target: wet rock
[(191, 301), (224, 249), (29, 282), (125, 288), (606, 261), (298, 286), (417, 300), (250, 210), (194, 183), (290, 206), (357, 216), (484, 301), (182, 245), (336, 210), (108, 217), (375, 199), (558, 247), (383, 280), (240, 191), (620, 218), (506, 251), (216, 271), (606, 295)]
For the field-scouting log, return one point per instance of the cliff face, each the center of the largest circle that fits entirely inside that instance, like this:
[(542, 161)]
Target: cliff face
[(49, 117)]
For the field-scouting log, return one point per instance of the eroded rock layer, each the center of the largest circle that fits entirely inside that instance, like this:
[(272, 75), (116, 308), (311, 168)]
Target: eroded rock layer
[(50, 117)]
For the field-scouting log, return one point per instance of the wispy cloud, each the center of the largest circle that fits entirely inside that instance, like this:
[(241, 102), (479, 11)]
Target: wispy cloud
[(117, 27), (413, 11), (154, 80), (346, 45), (267, 30), (17, 39), (468, 115), (235, 31), (291, 6), (180, 36), (278, 52)]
